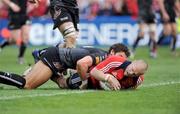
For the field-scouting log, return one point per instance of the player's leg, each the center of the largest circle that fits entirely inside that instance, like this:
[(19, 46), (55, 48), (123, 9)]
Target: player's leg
[(38, 75), (48, 65), (12, 79), (166, 32), (153, 43), (14, 33), (174, 37), (73, 33), (25, 38), (12, 40), (69, 33), (4, 43), (63, 20), (23, 45), (139, 37)]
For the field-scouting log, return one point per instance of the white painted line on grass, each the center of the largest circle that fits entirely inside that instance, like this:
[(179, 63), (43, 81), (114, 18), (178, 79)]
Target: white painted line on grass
[(44, 95), (161, 84), (77, 92)]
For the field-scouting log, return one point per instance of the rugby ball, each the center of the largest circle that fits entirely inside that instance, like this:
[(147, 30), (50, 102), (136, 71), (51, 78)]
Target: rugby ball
[(104, 85)]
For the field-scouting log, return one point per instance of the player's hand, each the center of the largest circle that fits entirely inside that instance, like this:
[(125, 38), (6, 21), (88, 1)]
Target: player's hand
[(83, 85), (14, 7), (114, 83)]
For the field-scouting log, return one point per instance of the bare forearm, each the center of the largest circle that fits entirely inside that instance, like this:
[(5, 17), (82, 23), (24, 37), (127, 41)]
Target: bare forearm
[(83, 66), (82, 71), (99, 75)]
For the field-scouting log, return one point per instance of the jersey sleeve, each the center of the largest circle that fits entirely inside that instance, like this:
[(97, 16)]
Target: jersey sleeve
[(98, 57), (110, 63)]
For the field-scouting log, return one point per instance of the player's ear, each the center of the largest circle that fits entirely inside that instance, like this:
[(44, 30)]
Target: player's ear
[(112, 52)]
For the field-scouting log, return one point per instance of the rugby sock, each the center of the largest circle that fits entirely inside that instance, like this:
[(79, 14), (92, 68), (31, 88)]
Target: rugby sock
[(174, 39), (12, 79), (153, 46), (22, 49), (4, 43), (149, 43), (136, 43), (161, 38)]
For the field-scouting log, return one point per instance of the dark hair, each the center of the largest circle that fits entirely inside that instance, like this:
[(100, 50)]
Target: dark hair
[(118, 47)]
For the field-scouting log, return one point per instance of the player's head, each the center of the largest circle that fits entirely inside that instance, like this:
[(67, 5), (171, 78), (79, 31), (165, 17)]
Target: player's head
[(119, 49), (136, 68)]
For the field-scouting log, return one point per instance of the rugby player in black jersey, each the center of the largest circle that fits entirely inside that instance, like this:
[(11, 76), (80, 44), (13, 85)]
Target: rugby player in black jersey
[(146, 17), (65, 15), (19, 25), (56, 60), (168, 9)]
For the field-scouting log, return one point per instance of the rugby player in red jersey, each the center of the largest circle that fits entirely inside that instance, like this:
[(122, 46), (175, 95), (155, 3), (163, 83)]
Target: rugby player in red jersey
[(129, 74)]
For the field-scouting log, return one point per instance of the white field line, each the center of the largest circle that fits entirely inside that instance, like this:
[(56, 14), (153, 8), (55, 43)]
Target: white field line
[(161, 84), (44, 95), (78, 92)]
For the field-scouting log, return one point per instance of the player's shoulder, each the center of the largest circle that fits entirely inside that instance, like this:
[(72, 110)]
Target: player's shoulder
[(116, 58)]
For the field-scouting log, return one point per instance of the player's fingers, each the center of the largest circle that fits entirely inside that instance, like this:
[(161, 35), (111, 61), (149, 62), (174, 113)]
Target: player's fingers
[(116, 87)]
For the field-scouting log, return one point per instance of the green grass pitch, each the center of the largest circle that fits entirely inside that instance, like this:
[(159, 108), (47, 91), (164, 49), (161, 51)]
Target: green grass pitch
[(159, 94)]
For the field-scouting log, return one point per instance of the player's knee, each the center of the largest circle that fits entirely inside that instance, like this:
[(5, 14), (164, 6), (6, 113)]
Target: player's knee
[(167, 31), (28, 86), (152, 28), (141, 34), (25, 40)]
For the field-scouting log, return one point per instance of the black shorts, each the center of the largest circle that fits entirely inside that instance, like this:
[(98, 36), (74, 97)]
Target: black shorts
[(17, 21), (146, 18), (52, 60), (172, 17), (61, 14)]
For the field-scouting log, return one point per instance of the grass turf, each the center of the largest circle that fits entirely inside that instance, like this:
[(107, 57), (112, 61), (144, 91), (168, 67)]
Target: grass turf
[(159, 94)]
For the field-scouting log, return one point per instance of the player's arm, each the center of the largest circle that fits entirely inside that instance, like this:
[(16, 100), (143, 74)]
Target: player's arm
[(99, 72), (83, 66), (99, 75), (163, 10), (12, 5)]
